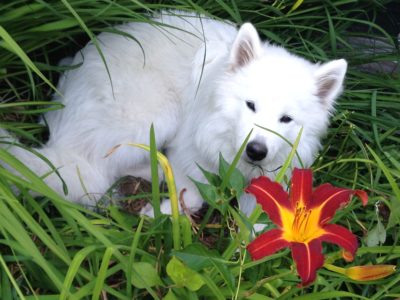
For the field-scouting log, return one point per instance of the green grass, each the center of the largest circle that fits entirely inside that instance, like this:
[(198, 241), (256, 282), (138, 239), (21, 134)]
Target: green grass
[(52, 249)]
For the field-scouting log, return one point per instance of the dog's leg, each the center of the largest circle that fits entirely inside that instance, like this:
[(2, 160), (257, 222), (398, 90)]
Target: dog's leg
[(86, 182)]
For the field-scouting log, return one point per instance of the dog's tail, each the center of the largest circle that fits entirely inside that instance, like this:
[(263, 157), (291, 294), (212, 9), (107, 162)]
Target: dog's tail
[(64, 171)]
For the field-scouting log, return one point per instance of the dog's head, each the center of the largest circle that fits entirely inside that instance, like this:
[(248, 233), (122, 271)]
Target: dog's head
[(266, 89)]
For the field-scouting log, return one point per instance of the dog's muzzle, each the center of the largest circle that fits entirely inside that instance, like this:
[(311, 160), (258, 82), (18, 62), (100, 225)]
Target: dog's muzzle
[(256, 151)]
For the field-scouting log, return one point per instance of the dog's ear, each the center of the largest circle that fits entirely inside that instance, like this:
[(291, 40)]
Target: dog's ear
[(245, 48), (330, 78)]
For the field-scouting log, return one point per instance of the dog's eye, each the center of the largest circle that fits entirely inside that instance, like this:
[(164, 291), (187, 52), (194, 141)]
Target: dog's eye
[(250, 104), (285, 119)]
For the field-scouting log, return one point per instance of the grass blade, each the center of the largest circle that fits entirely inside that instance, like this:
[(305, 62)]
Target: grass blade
[(102, 274), (11, 45)]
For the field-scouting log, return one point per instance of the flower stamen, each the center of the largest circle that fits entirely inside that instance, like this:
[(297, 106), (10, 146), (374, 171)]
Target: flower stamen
[(300, 225)]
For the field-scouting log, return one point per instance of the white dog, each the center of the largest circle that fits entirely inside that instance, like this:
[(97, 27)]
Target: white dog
[(204, 85)]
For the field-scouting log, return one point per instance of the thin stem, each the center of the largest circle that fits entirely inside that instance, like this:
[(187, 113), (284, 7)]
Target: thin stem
[(242, 259), (334, 268), (263, 281)]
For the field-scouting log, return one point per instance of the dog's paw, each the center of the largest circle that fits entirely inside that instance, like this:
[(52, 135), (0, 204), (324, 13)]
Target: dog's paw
[(165, 208), (147, 211), (258, 227)]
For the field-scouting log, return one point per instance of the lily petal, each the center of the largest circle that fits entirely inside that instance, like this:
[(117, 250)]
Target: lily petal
[(266, 244), (328, 199), (301, 187), (341, 236), (308, 258), (271, 196)]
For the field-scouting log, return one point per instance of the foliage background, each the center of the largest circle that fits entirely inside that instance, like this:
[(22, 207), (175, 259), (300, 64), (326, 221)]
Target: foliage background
[(51, 249)]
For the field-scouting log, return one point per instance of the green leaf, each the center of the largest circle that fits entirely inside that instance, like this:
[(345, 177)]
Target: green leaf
[(256, 296), (395, 201), (184, 276), (376, 235), (197, 257), (56, 25), (244, 226), (122, 219), (230, 168), (170, 296), (134, 248), (208, 193), (186, 229), (19, 12), (102, 274), (328, 295), (288, 161), (155, 186), (231, 186), (11, 45), (73, 269), (212, 178), (394, 218), (237, 182), (145, 275), (223, 166), (217, 294), (296, 5), (6, 271), (194, 257)]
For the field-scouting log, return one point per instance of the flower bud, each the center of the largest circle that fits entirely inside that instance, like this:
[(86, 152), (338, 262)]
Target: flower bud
[(370, 272)]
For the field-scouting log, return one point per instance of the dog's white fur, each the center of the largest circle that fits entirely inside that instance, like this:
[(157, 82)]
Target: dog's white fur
[(191, 79)]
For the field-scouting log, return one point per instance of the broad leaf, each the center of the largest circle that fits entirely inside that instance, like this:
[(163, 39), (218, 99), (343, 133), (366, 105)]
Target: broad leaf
[(197, 257), (244, 226), (394, 217), (170, 296), (376, 236), (237, 182), (184, 276), (208, 192), (212, 178), (145, 275)]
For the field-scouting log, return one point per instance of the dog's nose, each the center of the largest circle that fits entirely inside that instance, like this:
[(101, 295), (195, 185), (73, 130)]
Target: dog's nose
[(256, 151)]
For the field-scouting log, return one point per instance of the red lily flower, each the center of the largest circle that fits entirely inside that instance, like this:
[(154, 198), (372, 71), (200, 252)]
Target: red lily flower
[(302, 219)]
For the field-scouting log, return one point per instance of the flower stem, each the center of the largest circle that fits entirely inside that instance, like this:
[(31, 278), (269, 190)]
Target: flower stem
[(336, 269), (255, 214), (263, 281)]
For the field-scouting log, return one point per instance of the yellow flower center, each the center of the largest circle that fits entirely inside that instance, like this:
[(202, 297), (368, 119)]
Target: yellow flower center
[(303, 225)]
